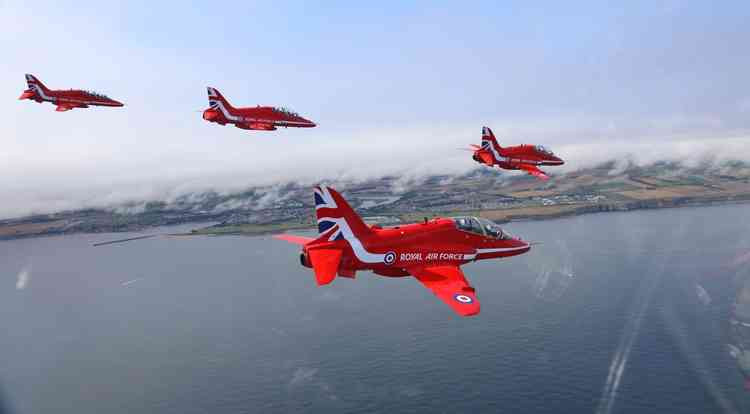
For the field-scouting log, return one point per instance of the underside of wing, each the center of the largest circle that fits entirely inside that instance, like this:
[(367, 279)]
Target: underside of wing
[(533, 170), (449, 284), (63, 108)]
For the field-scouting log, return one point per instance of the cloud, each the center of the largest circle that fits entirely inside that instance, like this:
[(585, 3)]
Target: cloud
[(45, 185)]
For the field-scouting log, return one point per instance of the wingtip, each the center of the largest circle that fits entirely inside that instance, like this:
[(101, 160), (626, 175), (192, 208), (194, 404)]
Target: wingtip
[(474, 311)]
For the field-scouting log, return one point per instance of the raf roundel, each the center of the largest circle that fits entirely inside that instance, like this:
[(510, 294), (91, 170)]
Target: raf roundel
[(389, 258), (463, 298)]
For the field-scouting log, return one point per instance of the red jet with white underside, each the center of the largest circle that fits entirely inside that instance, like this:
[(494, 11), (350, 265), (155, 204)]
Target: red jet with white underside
[(65, 100), (520, 157), (432, 251), (260, 118)]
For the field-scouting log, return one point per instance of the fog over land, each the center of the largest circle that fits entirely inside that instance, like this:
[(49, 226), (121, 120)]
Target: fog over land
[(87, 185)]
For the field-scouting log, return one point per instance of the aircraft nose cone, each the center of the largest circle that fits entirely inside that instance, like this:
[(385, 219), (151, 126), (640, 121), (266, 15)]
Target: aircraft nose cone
[(523, 246), (117, 103), (526, 245)]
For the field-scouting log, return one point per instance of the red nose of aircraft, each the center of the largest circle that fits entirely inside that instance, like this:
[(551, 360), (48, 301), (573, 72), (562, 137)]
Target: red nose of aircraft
[(525, 244), (553, 160)]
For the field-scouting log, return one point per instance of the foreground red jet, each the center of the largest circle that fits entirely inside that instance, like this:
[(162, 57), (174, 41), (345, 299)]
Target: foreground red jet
[(64, 99), (432, 251), (262, 118), (520, 157)]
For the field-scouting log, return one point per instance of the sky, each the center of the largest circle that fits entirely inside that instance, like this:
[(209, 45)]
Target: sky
[(395, 88)]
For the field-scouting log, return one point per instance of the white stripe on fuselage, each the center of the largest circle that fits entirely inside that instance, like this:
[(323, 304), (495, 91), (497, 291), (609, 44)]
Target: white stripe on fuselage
[(63, 101), (365, 256), (226, 113), (40, 91), (237, 118), (495, 152), (510, 160), (501, 249), (359, 250), (496, 250)]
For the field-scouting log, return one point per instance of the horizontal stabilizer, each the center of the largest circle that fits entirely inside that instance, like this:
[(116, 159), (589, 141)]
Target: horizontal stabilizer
[(301, 240), (325, 263), (486, 157)]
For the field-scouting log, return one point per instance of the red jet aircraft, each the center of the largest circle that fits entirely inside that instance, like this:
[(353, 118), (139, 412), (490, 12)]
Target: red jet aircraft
[(520, 157), (65, 100), (262, 118), (432, 251)]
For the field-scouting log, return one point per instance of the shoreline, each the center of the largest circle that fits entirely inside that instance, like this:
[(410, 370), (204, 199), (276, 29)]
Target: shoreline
[(500, 216)]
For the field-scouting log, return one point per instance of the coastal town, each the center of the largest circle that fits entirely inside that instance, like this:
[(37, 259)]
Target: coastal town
[(491, 194)]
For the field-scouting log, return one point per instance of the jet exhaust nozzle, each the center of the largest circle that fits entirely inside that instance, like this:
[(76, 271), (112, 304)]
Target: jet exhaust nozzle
[(26, 95), (304, 260)]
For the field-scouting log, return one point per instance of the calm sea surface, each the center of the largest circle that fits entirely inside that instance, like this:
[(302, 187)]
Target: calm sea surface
[(603, 316)]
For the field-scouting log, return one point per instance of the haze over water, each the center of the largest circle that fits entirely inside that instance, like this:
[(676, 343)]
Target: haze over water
[(235, 324)]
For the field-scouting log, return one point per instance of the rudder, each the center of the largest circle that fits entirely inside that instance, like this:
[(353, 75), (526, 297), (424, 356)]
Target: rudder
[(488, 138), (216, 99), (35, 84), (332, 211)]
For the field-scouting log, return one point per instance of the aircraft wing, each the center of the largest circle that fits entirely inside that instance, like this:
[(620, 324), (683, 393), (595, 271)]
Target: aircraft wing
[(533, 170), (63, 108), (449, 284)]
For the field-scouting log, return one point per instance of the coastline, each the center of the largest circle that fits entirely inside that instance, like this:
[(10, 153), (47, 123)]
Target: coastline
[(499, 216), (388, 201)]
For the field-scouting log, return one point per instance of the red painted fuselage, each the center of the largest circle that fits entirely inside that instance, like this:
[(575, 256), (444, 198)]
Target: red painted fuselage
[(261, 118), (432, 251), (520, 157), (65, 100)]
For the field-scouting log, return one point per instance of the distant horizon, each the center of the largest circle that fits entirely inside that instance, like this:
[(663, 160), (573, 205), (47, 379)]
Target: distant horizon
[(399, 184)]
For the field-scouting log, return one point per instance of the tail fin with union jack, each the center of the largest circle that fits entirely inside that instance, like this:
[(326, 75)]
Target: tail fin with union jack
[(488, 139), (336, 218), (216, 100)]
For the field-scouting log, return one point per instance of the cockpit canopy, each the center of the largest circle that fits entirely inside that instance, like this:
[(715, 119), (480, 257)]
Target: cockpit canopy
[(97, 94), (543, 149), (286, 111), (482, 227)]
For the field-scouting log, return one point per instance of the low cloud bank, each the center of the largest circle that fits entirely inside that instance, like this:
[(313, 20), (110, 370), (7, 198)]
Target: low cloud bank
[(46, 185)]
